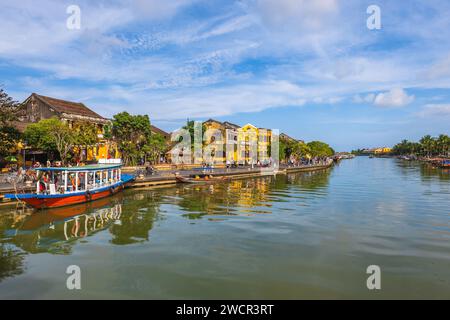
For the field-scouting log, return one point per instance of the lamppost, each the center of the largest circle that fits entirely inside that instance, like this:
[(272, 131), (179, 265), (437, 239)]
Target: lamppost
[(25, 143)]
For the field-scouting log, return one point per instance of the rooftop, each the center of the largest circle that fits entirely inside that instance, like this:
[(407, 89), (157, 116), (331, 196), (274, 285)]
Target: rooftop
[(68, 107)]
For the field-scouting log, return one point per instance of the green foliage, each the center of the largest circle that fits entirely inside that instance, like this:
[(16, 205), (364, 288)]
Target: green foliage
[(285, 149), (155, 147), (320, 149), (427, 146), (107, 132), (190, 126), (299, 149), (54, 135), (8, 108), (38, 136), (86, 134), (132, 134), (9, 136)]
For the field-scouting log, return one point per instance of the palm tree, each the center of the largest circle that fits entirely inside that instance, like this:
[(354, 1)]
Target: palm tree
[(443, 144), (427, 144)]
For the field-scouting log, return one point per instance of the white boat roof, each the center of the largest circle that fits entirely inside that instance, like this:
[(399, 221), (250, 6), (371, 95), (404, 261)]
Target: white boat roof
[(95, 167)]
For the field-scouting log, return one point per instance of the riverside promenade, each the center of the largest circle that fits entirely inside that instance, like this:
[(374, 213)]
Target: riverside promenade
[(166, 176)]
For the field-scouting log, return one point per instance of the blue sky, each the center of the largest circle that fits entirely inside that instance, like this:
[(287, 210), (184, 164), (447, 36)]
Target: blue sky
[(309, 68)]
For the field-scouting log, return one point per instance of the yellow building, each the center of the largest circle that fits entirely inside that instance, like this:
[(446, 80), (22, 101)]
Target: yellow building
[(227, 132), (383, 150), (264, 144), (225, 142), (214, 145), (231, 141), (247, 144)]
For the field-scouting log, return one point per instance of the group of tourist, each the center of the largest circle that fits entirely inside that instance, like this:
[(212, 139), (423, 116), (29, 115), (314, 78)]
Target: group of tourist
[(308, 161)]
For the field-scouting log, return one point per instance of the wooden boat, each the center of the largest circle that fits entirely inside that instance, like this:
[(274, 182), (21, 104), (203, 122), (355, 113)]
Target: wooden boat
[(200, 179), (60, 186)]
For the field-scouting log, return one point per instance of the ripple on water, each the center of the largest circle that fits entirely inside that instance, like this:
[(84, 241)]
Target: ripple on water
[(296, 236)]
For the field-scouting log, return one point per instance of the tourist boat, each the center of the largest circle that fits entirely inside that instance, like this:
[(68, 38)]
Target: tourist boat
[(65, 186), (200, 179)]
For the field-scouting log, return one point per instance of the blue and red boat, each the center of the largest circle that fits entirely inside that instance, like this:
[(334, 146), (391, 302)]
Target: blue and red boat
[(65, 186)]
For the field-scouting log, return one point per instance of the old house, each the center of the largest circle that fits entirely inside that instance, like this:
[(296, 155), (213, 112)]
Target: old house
[(37, 107)]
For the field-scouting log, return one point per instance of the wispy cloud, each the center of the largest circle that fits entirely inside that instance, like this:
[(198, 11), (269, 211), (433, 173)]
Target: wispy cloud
[(174, 59), (435, 110)]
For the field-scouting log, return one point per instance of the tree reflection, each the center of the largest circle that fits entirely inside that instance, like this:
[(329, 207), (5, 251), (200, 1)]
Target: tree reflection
[(225, 198), (141, 213), (11, 262)]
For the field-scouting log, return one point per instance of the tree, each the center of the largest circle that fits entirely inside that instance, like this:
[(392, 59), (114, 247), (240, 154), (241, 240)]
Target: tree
[(443, 144), (9, 135), (320, 149), (427, 146), (427, 143), (301, 150), (190, 126), (132, 133), (52, 135), (86, 134), (155, 147), (285, 147)]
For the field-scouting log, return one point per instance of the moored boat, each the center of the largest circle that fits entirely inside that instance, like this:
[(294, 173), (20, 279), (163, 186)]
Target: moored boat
[(65, 186)]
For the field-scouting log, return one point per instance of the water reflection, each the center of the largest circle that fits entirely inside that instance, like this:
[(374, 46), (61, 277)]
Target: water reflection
[(248, 196), (54, 230), (11, 261), (130, 220), (427, 171), (292, 236)]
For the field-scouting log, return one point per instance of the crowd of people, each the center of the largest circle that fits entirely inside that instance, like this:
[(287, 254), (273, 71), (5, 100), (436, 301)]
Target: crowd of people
[(308, 161)]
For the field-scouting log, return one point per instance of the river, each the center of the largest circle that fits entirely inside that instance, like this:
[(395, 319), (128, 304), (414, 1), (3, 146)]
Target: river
[(296, 236)]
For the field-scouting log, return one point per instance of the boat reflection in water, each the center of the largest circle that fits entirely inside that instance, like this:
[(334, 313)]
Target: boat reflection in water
[(82, 225), (48, 231)]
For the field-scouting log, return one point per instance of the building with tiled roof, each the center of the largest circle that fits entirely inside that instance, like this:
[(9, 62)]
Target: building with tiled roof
[(37, 107)]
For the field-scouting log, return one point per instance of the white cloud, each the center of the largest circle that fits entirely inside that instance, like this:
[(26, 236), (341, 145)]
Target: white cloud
[(303, 14), (299, 51), (435, 110), (369, 98), (157, 9), (394, 98)]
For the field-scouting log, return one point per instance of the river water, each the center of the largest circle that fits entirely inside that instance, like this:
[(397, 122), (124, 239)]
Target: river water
[(296, 236)]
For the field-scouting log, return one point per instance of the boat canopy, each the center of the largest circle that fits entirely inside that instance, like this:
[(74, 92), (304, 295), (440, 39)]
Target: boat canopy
[(82, 168)]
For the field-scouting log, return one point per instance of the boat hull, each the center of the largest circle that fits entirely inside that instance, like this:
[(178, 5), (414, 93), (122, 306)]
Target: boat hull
[(45, 201), (69, 200)]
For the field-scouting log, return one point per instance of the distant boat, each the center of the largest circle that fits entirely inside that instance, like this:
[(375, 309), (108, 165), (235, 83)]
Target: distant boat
[(65, 186)]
